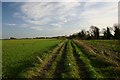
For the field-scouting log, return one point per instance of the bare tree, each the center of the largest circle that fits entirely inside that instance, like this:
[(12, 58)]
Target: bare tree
[(107, 33), (117, 31), (94, 32)]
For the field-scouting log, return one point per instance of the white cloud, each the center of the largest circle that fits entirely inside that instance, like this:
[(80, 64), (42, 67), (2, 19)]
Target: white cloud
[(36, 22), (56, 25), (36, 10), (101, 0), (36, 13), (9, 24), (54, 0), (102, 16), (59, 16), (36, 28), (47, 13), (60, 0)]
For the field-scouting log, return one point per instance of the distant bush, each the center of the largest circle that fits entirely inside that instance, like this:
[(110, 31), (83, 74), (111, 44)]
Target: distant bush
[(12, 38)]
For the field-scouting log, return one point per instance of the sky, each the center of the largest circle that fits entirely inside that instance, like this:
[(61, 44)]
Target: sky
[(37, 19), (0, 20)]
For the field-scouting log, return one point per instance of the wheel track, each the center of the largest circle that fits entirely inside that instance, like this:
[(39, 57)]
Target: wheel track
[(84, 75), (60, 66), (47, 66)]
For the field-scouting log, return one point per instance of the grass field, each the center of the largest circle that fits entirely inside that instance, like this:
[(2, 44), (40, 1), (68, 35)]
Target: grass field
[(104, 56), (61, 58), (112, 45), (108, 62), (0, 58), (21, 54)]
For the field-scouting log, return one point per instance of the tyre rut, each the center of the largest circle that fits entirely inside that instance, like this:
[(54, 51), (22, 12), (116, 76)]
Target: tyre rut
[(60, 66), (47, 66), (82, 69)]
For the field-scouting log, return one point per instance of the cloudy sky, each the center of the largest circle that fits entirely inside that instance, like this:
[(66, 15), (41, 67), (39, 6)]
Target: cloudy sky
[(32, 19)]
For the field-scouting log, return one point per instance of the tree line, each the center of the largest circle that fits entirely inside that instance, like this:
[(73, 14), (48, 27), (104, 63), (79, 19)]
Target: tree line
[(95, 33)]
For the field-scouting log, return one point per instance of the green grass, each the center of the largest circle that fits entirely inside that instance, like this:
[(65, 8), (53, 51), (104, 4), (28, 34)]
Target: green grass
[(102, 56), (66, 63), (91, 70), (0, 58), (70, 66), (51, 72), (113, 45), (110, 50), (21, 54), (35, 71), (99, 57)]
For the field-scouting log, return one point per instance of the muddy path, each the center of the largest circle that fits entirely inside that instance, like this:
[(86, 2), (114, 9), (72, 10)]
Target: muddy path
[(60, 67), (46, 67), (84, 75), (82, 69)]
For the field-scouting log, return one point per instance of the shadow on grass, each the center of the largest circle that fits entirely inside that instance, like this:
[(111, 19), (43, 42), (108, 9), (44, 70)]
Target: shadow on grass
[(15, 71)]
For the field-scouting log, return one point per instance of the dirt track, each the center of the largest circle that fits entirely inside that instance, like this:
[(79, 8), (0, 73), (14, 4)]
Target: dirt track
[(60, 67)]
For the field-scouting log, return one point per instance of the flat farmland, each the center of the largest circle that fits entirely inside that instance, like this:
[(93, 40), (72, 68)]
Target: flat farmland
[(18, 55), (54, 58), (60, 40), (104, 56)]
